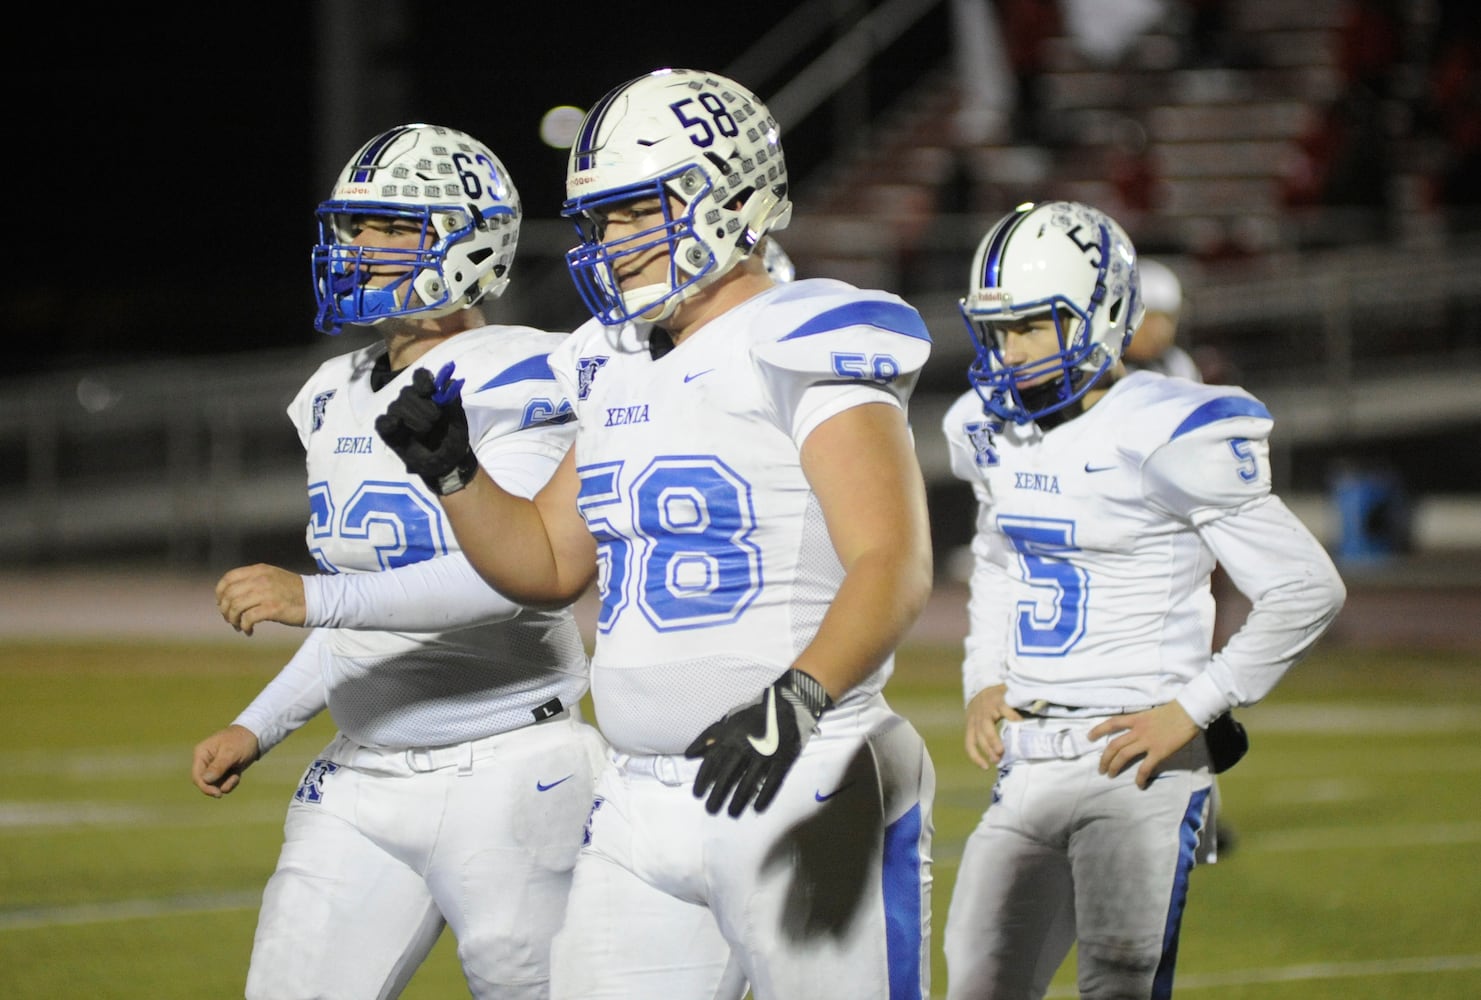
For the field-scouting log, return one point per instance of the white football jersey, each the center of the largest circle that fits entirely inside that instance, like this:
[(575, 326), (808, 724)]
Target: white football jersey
[(715, 565), (368, 514), (1095, 543)]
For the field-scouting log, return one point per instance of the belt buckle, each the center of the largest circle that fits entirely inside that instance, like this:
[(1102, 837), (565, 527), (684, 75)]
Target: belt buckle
[(1064, 745)]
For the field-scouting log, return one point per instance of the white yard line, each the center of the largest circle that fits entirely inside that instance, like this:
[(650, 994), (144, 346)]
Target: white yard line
[(1316, 970), (43, 917)]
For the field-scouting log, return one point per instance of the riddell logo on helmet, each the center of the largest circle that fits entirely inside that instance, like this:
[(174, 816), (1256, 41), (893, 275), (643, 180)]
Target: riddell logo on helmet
[(350, 189), (992, 298), (580, 181)]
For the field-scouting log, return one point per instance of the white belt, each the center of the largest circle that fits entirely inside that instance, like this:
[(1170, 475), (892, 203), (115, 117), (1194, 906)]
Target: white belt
[(424, 759), (670, 769), (1049, 739)]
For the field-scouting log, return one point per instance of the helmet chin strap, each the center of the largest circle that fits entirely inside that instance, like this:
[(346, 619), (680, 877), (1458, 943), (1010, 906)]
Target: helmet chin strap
[(653, 311), (1047, 394)]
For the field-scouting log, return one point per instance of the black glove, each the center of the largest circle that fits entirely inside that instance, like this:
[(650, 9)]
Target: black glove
[(750, 751), (1227, 743), (426, 426)]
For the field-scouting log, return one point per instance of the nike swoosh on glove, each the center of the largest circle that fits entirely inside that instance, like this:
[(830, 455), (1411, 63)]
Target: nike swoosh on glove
[(425, 425), (748, 752)]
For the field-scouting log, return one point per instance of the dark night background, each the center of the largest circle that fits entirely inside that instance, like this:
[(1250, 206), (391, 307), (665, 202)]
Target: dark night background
[(170, 160)]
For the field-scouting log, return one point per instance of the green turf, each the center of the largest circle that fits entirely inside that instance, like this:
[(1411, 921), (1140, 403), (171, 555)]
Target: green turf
[(1354, 875)]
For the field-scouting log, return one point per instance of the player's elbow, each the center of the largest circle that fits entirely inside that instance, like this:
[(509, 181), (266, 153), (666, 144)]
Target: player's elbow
[(914, 580), (1330, 594)]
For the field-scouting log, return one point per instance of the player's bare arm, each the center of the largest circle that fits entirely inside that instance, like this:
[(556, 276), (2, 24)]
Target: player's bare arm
[(1150, 737), (862, 467), (536, 552), (219, 760), (987, 708), (248, 595)]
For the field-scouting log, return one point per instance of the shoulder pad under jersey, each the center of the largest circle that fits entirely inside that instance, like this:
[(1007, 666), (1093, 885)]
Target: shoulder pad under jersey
[(839, 333), (508, 383)]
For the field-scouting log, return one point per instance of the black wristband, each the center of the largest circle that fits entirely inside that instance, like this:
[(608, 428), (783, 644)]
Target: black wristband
[(814, 696)]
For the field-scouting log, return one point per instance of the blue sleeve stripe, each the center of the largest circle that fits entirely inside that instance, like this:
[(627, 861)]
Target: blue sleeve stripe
[(893, 316), (1220, 409), (536, 369)]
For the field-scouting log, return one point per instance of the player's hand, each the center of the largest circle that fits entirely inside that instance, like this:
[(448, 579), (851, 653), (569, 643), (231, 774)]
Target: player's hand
[(426, 427), (221, 758), (749, 752), (987, 708), (261, 593), (1151, 737)]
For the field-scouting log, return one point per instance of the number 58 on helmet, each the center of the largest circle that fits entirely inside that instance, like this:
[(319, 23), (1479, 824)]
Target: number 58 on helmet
[(709, 151)]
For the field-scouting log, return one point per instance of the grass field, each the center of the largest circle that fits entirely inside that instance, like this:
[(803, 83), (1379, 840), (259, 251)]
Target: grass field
[(1355, 875)]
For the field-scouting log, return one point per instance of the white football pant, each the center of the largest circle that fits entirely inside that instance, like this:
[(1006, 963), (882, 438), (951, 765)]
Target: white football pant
[(1065, 854), (826, 894), (383, 847)]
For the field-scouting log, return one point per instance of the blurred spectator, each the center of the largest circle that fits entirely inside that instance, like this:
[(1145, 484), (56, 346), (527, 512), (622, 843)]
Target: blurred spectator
[(1340, 171), (985, 77), (1155, 345), (1026, 26), (1133, 174), (1369, 44), (1104, 31), (1453, 111), (1213, 40)]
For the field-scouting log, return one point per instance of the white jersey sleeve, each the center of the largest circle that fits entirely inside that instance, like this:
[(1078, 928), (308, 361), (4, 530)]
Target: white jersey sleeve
[(290, 699), (985, 663), (865, 351), (519, 434), (1216, 460), (433, 595), (1215, 474), (1295, 593)]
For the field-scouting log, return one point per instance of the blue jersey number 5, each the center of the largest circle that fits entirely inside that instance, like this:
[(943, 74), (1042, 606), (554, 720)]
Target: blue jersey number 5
[(1053, 624)]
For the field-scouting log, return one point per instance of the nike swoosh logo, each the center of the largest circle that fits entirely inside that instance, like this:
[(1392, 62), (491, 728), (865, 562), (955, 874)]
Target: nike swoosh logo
[(839, 790), (540, 786), (1098, 468), (694, 375), (767, 744)]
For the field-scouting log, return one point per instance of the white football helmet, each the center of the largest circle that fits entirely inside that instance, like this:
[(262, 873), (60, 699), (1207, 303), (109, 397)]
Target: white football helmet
[(709, 150), (1057, 258), (446, 182)]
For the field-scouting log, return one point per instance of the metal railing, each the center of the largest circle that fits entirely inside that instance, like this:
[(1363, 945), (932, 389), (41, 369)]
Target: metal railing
[(189, 460)]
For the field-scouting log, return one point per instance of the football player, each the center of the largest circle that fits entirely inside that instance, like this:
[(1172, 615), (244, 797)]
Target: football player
[(1104, 499), (744, 492), (1153, 344), (456, 789)]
